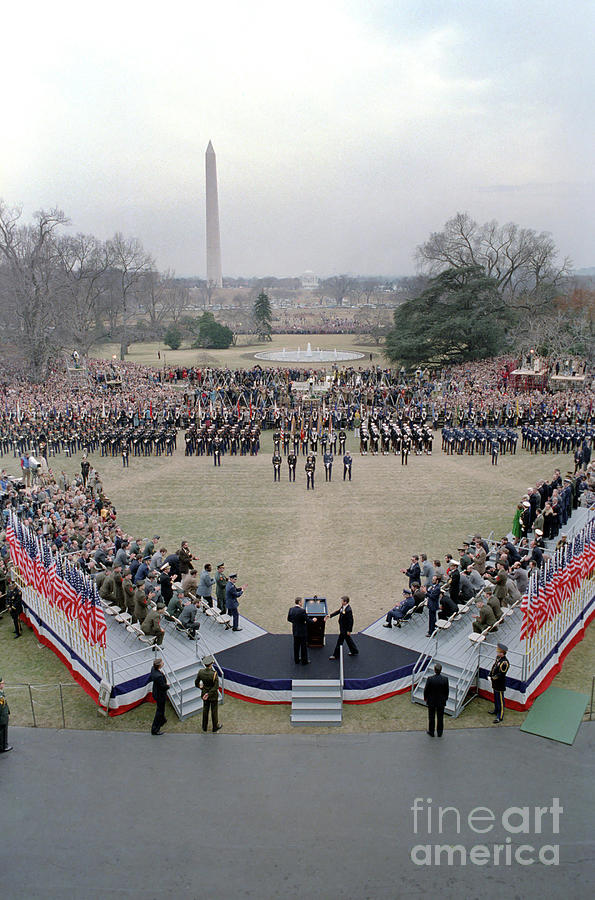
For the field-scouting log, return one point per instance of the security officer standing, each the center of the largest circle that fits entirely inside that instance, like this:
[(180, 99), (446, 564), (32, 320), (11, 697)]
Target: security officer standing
[(15, 607), (4, 716), (207, 681), (436, 695), (159, 691), (498, 678)]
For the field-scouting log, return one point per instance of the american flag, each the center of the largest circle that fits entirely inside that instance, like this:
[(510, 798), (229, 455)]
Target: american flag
[(541, 607), (550, 598), (84, 605), (66, 597), (528, 604), (590, 548), (576, 563)]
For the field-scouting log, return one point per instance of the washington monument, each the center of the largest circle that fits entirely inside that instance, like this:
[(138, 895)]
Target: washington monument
[(213, 237)]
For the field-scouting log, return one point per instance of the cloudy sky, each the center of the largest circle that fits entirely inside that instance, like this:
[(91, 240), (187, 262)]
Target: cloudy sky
[(345, 130)]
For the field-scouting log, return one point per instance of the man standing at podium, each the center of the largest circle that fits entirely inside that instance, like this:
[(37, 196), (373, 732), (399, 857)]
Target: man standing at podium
[(345, 628), (299, 625)]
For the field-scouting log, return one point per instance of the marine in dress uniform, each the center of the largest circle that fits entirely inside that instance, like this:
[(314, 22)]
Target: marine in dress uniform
[(498, 678)]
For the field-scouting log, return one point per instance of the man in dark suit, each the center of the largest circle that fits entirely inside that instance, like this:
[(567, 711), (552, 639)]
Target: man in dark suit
[(436, 695), (299, 626), (345, 628), (159, 691)]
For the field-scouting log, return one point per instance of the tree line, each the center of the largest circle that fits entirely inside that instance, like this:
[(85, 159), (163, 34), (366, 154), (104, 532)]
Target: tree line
[(60, 290), (491, 289)]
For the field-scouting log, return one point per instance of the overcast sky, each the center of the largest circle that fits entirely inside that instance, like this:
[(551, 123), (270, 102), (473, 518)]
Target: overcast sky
[(345, 132)]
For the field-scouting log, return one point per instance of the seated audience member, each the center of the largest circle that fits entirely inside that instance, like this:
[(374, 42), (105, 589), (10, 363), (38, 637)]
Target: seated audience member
[(399, 611)]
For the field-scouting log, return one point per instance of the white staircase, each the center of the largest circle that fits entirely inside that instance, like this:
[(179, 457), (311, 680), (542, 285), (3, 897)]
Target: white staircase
[(183, 695), (462, 676), (316, 702)]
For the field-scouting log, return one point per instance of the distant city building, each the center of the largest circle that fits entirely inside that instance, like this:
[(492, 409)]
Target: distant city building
[(309, 281)]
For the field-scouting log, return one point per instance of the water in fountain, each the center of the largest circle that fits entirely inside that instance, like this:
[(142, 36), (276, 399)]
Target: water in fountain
[(309, 350)]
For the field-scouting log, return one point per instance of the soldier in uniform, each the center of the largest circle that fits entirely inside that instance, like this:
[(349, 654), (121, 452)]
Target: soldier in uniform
[(4, 716), (486, 617), (15, 607), (151, 625), (498, 678), (277, 465), (328, 465), (291, 464), (309, 468), (347, 461), (220, 582), (207, 681)]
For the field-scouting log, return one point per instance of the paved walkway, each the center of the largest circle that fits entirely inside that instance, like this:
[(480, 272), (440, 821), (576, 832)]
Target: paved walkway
[(99, 815)]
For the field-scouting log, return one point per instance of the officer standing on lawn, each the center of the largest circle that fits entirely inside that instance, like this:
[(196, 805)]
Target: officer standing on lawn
[(4, 716), (291, 464), (15, 607), (207, 681), (220, 582), (498, 678)]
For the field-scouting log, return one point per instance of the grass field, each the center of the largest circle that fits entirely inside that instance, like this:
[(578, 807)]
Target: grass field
[(343, 538), (242, 355)]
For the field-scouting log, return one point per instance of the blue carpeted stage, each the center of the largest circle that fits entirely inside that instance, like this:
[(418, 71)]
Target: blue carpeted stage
[(262, 669)]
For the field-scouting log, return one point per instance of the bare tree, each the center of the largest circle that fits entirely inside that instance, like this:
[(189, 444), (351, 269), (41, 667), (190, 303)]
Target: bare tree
[(523, 261), (339, 287), (131, 264), (207, 290), (85, 262), (32, 281)]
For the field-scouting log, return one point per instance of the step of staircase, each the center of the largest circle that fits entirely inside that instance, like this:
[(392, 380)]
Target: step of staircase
[(317, 717), (316, 702)]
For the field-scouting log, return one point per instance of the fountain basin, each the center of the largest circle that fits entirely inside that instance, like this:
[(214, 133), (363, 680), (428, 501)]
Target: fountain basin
[(308, 355)]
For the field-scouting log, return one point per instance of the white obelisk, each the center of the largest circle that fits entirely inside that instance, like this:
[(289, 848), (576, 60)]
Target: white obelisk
[(213, 236)]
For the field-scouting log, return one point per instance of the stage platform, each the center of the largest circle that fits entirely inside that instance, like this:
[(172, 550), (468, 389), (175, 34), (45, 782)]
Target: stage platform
[(262, 669)]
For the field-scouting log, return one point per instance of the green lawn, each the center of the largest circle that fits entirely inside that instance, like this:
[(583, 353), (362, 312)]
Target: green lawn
[(285, 541), (243, 355)]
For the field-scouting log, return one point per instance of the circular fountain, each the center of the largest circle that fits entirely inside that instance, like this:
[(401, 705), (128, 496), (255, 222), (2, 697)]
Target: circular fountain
[(308, 355)]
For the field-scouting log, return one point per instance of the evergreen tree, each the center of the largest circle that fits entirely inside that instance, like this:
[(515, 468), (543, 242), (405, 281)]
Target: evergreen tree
[(212, 334), (263, 316), (460, 316)]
